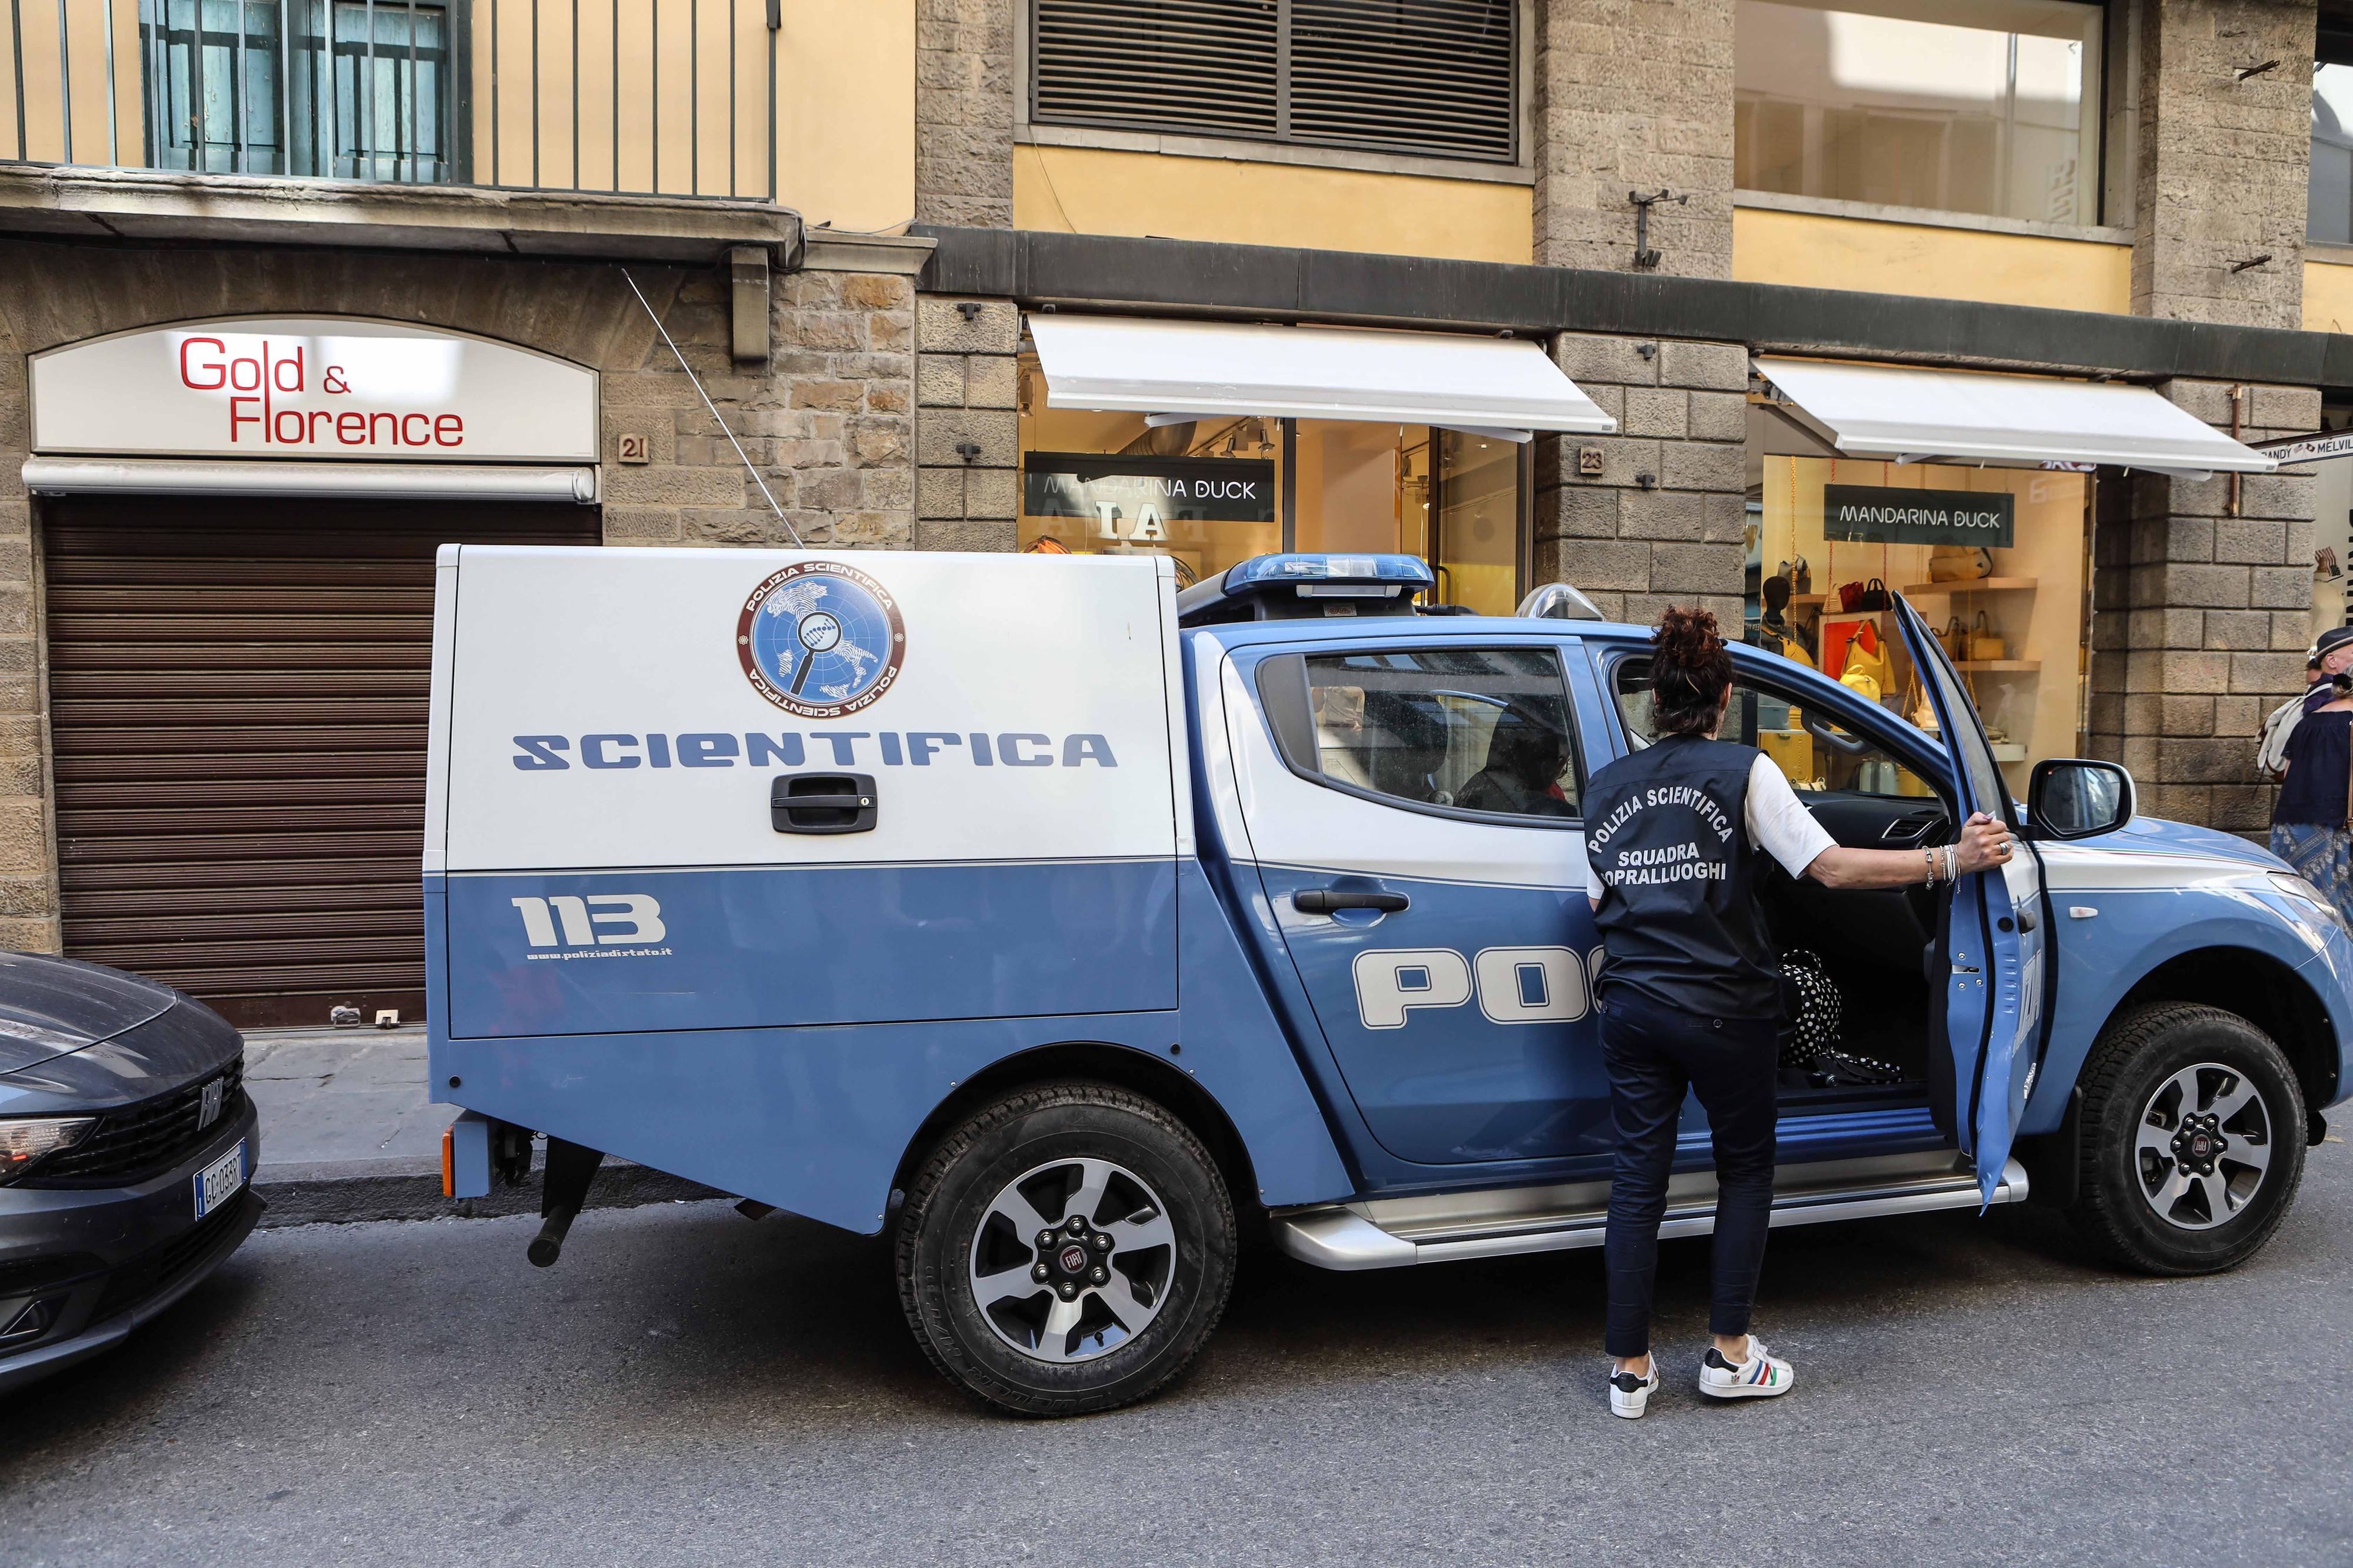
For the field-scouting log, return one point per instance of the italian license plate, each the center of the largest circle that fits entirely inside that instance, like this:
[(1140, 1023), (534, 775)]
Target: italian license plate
[(218, 1182)]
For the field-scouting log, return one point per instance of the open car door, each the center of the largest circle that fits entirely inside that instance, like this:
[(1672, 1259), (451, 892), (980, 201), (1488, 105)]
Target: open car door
[(1991, 943)]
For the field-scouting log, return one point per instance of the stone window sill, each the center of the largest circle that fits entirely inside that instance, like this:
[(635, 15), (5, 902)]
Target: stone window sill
[(149, 203), (1926, 217)]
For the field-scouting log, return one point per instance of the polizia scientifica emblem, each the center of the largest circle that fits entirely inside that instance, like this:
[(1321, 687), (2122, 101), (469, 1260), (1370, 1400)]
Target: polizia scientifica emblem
[(820, 639)]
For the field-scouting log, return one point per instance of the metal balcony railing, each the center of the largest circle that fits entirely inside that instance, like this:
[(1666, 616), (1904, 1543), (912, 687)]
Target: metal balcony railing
[(666, 97)]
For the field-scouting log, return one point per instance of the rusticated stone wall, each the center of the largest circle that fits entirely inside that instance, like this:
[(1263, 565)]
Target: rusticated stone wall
[(1663, 521)]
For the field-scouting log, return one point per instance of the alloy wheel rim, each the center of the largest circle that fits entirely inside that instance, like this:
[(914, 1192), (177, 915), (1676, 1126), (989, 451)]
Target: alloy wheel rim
[(1072, 1260), (2203, 1148)]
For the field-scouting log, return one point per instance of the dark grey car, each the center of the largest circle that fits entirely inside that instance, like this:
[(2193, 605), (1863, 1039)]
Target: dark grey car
[(127, 1144)]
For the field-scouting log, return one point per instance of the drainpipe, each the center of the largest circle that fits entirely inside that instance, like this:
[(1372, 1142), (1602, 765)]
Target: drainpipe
[(2238, 408)]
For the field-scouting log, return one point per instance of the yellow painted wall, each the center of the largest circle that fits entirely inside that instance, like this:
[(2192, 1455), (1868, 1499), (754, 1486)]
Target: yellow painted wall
[(2329, 297), (1880, 257), (692, 103), (846, 113), (1088, 190), (71, 62)]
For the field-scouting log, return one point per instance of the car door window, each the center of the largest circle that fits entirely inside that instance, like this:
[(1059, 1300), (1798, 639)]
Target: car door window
[(1815, 755), (1472, 731)]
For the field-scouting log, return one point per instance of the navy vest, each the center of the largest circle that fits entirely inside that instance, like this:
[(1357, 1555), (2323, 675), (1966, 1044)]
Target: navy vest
[(1680, 922)]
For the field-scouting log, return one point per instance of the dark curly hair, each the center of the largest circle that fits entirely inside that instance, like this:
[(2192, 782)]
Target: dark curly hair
[(1690, 671)]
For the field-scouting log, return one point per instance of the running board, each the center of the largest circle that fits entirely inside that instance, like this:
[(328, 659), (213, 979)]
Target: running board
[(1354, 1237)]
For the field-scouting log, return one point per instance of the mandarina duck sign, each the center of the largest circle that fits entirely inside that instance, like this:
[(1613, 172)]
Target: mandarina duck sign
[(311, 387)]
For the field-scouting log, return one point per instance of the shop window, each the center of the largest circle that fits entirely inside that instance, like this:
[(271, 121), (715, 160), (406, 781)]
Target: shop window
[(1210, 492), (348, 90), (2328, 217), (1483, 730), (1991, 107), (1995, 559), (1434, 77), (1813, 753)]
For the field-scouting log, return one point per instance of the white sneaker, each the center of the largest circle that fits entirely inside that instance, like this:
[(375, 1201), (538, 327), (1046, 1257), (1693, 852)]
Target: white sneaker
[(1631, 1396), (1763, 1375)]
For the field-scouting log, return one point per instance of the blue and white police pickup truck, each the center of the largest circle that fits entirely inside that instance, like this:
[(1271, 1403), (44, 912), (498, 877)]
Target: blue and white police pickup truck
[(1063, 925)]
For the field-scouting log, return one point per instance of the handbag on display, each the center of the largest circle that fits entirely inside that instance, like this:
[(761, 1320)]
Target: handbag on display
[(1864, 670), (1959, 562), (1954, 638), (1986, 643), (1919, 709), (1801, 576), (1874, 595), (1850, 596)]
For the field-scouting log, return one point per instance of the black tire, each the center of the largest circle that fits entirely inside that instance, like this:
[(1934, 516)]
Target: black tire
[(2133, 1059), (972, 1169)]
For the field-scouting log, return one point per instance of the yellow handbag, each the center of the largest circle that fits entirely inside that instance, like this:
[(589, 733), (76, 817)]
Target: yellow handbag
[(1959, 562), (1865, 672), (1984, 641)]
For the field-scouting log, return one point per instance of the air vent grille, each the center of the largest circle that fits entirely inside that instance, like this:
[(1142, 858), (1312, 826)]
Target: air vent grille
[(1433, 78)]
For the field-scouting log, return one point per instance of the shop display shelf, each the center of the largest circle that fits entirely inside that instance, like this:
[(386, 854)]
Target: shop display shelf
[(2004, 666), (1974, 586)]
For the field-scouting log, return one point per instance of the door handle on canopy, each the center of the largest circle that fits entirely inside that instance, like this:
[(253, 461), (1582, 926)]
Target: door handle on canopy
[(1323, 901)]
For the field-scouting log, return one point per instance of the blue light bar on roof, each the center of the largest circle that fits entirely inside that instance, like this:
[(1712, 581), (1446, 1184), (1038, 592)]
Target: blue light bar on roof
[(1286, 587), (1295, 568)]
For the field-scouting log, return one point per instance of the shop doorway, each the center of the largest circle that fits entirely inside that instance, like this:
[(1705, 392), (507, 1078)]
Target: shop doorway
[(238, 694)]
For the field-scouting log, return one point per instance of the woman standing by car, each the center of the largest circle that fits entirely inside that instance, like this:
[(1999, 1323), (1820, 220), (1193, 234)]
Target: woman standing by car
[(2310, 829), (1690, 990)]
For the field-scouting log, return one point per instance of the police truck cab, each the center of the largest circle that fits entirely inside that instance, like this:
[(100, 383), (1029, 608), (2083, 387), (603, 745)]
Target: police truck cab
[(1064, 926)]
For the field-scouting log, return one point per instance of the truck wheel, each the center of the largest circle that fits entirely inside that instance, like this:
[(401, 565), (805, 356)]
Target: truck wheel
[(1066, 1251), (2192, 1140)]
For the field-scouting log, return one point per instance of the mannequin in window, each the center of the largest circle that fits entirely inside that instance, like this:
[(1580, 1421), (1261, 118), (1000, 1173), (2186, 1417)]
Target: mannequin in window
[(1776, 592)]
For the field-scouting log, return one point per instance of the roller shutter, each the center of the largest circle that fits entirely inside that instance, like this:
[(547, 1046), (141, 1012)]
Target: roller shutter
[(237, 704)]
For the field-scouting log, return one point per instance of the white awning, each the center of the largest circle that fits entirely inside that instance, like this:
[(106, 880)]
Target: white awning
[(324, 481), (2014, 421), (1495, 386)]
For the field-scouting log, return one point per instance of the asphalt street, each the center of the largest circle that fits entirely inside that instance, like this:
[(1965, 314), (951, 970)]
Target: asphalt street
[(686, 1387)]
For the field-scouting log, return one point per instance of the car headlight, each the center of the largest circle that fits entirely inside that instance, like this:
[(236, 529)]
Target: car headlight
[(25, 1141), (2304, 893)]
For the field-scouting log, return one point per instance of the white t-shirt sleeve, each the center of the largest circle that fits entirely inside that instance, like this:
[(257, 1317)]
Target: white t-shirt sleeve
[(1593, 888), (1777, 823)]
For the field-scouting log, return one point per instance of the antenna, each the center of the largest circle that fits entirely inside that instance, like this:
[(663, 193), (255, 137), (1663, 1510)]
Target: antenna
[(715, 419)]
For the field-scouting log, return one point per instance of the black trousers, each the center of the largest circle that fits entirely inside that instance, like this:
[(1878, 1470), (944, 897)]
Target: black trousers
[(1654, 1054)]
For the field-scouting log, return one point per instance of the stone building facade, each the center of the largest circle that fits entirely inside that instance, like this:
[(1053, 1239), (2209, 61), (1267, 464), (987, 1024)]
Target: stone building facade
[(2222, 160), (969, 457), (1662, 520), (964, 112), (1630, 96), (2201, 601)]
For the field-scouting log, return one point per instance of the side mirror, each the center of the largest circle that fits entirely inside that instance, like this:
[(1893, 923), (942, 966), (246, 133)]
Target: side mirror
[(2078, 798)]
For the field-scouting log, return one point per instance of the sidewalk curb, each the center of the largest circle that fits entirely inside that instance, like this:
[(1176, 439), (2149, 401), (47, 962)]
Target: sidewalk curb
[(353, 1191)]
